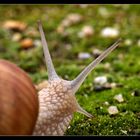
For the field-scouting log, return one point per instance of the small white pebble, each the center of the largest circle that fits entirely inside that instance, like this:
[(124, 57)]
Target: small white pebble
[(37, 43), (101, 107), (128, 42), (16, 37), (84, 55), (86, 31), (113, 85), (101, 80), (106, 103), (109, 32), (113, 110), (132, 94), (119, 98)]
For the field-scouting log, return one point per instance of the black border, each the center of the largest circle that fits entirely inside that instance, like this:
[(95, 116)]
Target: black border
[(69, 2)]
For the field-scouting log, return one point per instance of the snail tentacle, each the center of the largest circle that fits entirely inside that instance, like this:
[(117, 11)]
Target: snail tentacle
[(82, 111), (51, 71), (76, 83)]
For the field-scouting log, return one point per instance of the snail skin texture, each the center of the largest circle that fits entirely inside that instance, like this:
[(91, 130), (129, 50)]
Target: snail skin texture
[(57, 102), (18, 101)]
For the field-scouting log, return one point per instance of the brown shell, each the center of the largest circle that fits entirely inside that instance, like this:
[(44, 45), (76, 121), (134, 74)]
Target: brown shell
[(18, 101)]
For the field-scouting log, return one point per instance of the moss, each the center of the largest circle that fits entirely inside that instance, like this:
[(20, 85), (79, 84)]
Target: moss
[(123, 124)]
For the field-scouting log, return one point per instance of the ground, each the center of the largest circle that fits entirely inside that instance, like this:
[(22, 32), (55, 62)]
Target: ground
[(65, 45)]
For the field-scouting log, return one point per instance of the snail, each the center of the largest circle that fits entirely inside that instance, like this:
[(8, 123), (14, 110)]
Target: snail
[(55, 104)]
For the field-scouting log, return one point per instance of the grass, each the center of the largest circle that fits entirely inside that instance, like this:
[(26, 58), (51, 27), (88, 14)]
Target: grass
[(125, 70)]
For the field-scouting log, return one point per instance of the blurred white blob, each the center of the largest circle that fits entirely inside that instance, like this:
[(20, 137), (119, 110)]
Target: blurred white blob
[(128, 42), (112, 110), (119, 98), (109, 32), (100, 80), (84, 55)]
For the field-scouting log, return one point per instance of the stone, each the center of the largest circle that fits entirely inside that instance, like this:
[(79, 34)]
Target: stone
[(119, 98), (26, 43), (109, 32), (106, 103), (16, 37), (84, 55), (128, 42), (113, 110), (100, 80)]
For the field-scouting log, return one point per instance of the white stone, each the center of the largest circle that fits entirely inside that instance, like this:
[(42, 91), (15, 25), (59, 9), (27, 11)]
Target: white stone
[(16, 37), (128, 42), (101, 80), (106, 103), (113, 85), (112, 110), (109, 32), (84, 55), (37, 43), (119, 98), (132, 94)]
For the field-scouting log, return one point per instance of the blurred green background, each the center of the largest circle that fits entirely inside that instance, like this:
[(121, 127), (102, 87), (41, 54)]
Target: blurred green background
[(76, 34)]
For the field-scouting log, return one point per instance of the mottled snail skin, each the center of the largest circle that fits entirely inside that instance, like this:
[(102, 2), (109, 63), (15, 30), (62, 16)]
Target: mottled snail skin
[(57, 102), (18, 101), (57, 105)]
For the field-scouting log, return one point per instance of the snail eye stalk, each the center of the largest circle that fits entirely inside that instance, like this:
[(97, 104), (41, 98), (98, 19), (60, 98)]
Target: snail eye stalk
[(76, 83), (51, 71)]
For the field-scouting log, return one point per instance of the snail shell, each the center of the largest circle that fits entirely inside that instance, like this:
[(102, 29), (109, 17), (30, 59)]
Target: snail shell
[(18, 101)]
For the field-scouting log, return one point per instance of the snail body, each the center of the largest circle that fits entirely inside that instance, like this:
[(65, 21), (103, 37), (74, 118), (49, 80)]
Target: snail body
[(56, 102), (57, 108)]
